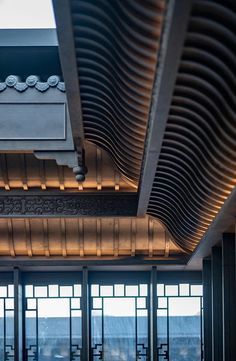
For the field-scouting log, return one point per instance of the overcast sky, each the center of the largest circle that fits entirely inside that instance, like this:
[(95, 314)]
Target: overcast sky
[(22, 14)]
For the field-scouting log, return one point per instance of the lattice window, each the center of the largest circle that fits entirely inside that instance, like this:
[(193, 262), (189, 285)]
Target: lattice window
[(119, 322), (179, 322), (7, 322), (53, 322)]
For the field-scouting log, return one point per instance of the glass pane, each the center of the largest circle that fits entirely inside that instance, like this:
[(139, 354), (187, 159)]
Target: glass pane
[(141, 302), (9, 334), (75, 303), (172, 290), (96, 332), (66, 291), (162, 302), (160, 290), (143, 290), (77, 291), (185, 328), (10, 291), (142, 334), (196, 290), (29, 291), (162, 334), (97, 303), (95, 290), (53, 328), (76, 329), (31, 304), (119, 290), (3, 291), (184, 289), (131, 290), (53, 290), (119, 329), (106, 291), (30, 331), (41, 291), (9, 304)]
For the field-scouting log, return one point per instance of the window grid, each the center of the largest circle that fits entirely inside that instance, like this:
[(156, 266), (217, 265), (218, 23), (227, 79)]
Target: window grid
[(33, 294), (139, 293), (7, 301), (164, 293), (98, 293)]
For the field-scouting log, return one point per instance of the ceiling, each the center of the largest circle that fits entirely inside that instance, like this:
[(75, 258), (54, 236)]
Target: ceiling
[(151, 86)]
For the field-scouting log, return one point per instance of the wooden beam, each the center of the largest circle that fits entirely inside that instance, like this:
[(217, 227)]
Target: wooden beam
[(229, 297), (39, 263), (69, 205), (67, 55), (170, 53)]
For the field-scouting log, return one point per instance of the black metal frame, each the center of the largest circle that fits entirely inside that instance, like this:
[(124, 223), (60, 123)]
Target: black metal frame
[(86, 278)]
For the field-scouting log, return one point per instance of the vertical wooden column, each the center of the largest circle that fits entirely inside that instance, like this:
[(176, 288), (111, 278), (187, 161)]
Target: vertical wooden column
[(217, 321), (153, 315), (229, 297), (18, 313), (85, 316), (207, 309)]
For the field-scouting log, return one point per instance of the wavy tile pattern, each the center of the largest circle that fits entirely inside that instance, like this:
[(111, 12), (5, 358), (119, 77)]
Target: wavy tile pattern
[(197, 166), (117, 52), (32, 81)]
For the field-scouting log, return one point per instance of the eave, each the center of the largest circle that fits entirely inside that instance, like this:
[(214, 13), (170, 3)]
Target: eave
[(171, 138)]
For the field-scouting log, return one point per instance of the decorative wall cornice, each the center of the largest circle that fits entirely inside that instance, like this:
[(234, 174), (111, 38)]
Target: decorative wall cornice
[(70, 205), (32, 81)]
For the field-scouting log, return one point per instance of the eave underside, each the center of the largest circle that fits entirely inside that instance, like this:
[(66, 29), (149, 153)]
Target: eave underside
[(184, 173)]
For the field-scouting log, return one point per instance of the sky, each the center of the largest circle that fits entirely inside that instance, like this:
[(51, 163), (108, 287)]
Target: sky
[(26, 14)]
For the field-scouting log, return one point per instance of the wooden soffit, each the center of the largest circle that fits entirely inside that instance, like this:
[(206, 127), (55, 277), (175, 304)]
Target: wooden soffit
[(86, 237), (24, 171)]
